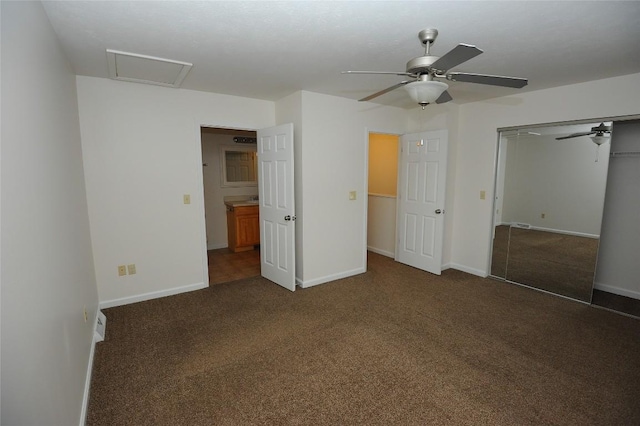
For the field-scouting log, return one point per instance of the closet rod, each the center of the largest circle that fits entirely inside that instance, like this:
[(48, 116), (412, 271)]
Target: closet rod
[(625, 154)]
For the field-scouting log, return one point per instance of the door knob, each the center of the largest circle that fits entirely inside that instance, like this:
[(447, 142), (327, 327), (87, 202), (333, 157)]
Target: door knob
[(288, 218), (439, 211)]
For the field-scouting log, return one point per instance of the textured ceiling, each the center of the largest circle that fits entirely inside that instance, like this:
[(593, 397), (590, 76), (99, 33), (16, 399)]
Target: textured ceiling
[(268, 50)]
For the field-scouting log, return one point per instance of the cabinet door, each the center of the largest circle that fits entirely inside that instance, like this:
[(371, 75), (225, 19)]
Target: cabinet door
[(248, 230)]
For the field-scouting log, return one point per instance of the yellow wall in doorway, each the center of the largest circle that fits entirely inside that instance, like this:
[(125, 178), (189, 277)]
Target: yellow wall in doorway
[(383, 164)]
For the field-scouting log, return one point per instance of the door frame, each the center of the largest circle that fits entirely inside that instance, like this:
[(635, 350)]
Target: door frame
[(367, 133), (448, 201), (200, 193)]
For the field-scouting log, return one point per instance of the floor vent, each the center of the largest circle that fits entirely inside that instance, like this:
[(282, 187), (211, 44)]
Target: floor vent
[(101, 327)]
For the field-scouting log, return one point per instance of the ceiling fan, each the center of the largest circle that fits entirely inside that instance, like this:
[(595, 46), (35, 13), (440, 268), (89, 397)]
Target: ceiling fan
[(421, 86), (600, 132)]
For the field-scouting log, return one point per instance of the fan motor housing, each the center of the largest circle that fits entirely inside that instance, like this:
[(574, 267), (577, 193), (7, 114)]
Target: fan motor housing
[(421, 64)]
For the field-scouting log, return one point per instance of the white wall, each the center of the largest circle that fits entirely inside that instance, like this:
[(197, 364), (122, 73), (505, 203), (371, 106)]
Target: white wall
[(214, 193), (476, 149), (333, 160), (618, 269), (559, 179), (47, 267), (141, 149), (381, 221)]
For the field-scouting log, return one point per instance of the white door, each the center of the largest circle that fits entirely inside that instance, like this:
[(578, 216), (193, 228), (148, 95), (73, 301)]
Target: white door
[(277, 212), (421, 190)]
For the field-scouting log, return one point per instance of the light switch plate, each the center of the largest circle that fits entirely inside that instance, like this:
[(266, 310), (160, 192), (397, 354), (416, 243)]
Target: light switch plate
[(352, 195), (483, 195)]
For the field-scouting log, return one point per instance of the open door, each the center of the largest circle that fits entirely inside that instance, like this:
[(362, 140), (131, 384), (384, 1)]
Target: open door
[(421, 191), (277, 209)]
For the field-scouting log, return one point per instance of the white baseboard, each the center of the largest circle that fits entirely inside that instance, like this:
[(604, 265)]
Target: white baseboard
[(382, 252), (561, 231), (87, 381), (556, 231), (152, 295), (214, 246), (617, 290), (329, 278), (468, 270)]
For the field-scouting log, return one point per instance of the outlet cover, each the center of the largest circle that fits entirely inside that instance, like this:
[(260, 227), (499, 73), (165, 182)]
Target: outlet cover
[(122, 270)]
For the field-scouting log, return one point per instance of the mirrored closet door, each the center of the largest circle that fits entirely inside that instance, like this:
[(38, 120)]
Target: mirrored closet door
[(549, 198)]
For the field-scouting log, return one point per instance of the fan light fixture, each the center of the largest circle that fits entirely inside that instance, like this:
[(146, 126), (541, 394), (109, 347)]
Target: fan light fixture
[(599, 139), (425, 92)]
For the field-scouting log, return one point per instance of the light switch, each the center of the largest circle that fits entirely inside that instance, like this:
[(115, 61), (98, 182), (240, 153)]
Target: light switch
[(131, 269), (187, 198), (352, 195), (483, 195)]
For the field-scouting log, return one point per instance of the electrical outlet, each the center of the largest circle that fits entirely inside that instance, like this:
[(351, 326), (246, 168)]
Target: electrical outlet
[(542, 215), (131, 268), (186, 198), (122, 270), (86, 316)]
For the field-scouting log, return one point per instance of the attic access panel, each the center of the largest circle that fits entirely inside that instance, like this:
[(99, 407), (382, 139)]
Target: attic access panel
[(137, 68)]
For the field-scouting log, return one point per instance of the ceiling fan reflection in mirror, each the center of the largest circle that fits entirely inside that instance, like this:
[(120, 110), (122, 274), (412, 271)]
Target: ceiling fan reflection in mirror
[(601, 134), (422, 71)]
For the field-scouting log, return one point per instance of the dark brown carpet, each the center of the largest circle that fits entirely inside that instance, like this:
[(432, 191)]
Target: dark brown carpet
[(392, 346)]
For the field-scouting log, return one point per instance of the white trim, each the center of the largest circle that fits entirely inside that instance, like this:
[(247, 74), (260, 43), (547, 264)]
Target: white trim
[(201, 200), (560, 231), (372, 194), (87, 381), (329, 278), (473, 271), (617, 290), (217, 246), (381, 251), (552, 230), (152, 295)]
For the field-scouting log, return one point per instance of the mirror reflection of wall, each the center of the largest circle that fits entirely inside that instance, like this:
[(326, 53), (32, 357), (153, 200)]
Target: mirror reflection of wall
[(548, 208)]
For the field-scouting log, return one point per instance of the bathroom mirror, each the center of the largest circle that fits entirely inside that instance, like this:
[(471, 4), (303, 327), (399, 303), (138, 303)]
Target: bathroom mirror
[(549, 198), (239, 166)]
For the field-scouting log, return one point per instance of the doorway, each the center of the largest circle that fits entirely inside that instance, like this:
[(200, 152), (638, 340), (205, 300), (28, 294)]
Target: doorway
[(223, 264), (413, 192), (382, 192)]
